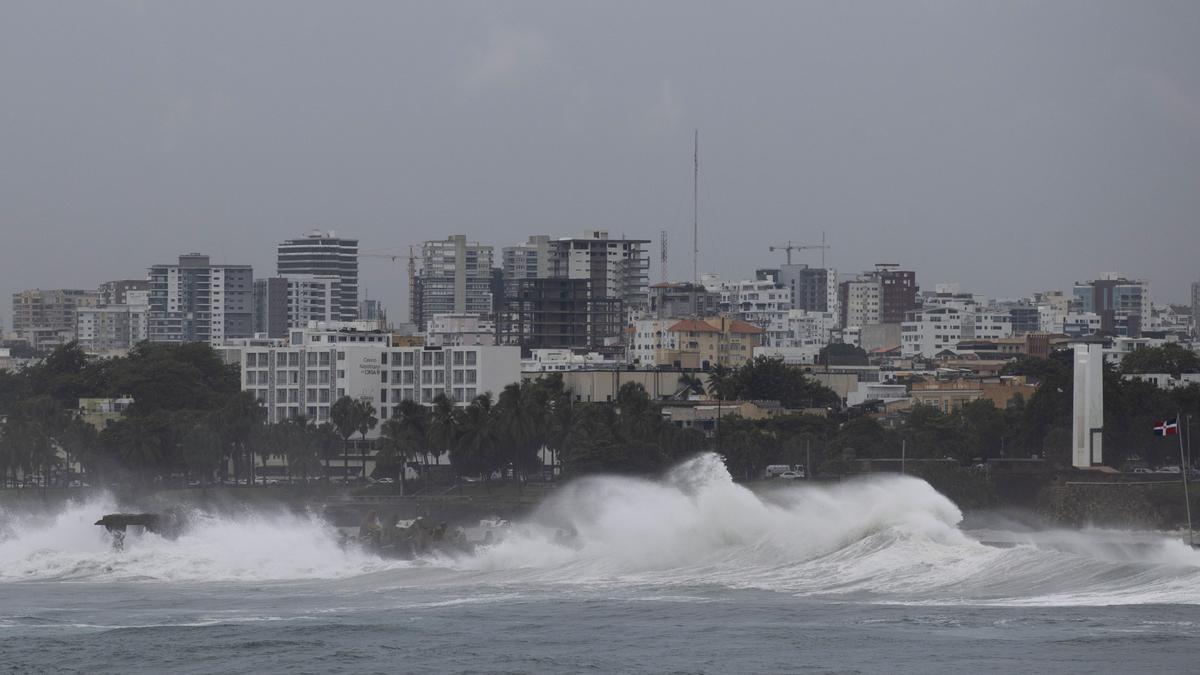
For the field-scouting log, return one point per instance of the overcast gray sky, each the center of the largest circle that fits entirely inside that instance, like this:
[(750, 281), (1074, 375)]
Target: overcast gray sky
[(1011, 146)]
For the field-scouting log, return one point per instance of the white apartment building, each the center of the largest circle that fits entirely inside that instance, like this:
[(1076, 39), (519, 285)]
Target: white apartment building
[(321, 365), (455, 278), (195, 301), (617, 268), (648, 337), (929, 332), (758, 302), (113, 327), (862, 302), (797, 328)]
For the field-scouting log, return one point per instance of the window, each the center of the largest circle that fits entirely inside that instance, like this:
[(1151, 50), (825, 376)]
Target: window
[(426, 377), (312, 358), (383, 358), (324, 358), (341, 356), (458, 376), (471, 356), (470, 377), (383, 397), (427, 358), (439, 358), (341, 374), (408, 359), (458, 358), (383, 375), (324, 396), (439, 377), (294, 360)]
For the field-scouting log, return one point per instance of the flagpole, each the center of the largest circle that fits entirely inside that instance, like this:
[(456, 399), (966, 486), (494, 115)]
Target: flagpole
[(1183, 470)]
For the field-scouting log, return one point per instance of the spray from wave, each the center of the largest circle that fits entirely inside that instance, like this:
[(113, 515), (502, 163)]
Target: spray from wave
[(891, 539), (884, 539), (249, 547)]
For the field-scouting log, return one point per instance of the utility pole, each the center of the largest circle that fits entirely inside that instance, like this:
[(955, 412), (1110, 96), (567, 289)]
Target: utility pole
[(1183, 470), (808, 458), (903, 453), (696, 209)]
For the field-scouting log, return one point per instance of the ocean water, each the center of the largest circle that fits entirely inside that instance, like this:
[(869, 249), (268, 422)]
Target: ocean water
[(688, 574)]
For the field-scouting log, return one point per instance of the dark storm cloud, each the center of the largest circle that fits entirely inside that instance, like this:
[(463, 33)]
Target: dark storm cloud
[(1010, 146)]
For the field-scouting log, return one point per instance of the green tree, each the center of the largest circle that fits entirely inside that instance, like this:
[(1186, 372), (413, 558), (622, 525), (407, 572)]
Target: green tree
[(344, 414), (1170, 358), (364, 421)]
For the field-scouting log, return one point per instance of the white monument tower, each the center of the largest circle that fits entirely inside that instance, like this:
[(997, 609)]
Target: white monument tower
[(1087, 423)]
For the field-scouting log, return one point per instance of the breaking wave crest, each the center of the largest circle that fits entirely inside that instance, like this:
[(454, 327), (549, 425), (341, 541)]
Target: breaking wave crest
[(250, 547), (892, 539), (884, 539)]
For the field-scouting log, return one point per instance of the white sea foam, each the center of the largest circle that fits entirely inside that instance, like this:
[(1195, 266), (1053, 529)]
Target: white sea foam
[(250, 547), (889, 539), (884, 539)]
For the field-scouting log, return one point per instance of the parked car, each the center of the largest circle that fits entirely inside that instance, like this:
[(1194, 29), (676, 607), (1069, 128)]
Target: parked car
[(791, 475), (385, 481)]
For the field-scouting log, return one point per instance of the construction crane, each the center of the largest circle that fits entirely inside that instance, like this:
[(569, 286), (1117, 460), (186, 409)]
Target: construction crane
[(789, 247)]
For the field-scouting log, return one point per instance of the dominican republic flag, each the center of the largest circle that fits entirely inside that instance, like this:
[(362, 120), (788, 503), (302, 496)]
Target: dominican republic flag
[(1167, 427)]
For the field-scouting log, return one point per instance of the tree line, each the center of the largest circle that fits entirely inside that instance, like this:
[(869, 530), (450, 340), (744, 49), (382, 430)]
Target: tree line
[(189, 418)]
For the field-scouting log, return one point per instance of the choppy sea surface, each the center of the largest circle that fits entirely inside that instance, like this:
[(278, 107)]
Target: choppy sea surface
[(689, 574)]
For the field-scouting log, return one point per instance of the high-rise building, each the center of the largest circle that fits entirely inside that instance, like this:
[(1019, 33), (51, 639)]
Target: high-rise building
[(324, 254), (530, 260), (555, 313), (45, 318), (196, 301), (881, 296), (617, 268), (293, 301), (1123, 304), (112, 327), (455, 278), (814, 289)]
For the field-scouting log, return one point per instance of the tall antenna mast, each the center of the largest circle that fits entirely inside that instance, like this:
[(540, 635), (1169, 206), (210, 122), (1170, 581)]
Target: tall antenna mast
[(823, 249), (696, 209), (662, 263)]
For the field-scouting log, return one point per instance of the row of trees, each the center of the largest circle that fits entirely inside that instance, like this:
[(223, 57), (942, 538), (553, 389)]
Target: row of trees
[(190, 418)]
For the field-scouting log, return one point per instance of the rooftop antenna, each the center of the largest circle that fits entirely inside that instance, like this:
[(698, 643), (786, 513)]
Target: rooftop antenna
[(663, 255), (695, 208), (824, 248)]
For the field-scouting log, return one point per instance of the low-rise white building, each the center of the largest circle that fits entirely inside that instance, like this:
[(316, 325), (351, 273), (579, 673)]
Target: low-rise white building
[(562, 360), (875, 391), (799, 328), (319, 366), (928, 332)]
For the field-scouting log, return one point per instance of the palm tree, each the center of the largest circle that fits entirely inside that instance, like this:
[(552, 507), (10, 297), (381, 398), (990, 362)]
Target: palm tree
[(239, 417), (689, 383), (521, 411), (474, 451), (443, 427), (344, 416), (396, 446), (365, 420), (415, 420)]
